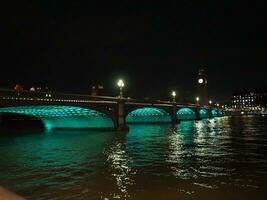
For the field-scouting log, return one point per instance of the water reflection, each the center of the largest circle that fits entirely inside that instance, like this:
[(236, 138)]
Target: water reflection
[(50, 159), (145, 144), (181, 150), (118, 167), (195, 150), (206, 159)]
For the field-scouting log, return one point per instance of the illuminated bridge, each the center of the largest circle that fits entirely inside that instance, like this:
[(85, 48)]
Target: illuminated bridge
[(57, 110)]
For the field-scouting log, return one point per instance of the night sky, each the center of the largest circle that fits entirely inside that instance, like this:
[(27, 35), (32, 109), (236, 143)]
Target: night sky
[(156, 46)]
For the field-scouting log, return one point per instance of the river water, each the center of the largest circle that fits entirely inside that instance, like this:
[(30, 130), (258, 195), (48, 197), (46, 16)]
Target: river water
[(221, 158)]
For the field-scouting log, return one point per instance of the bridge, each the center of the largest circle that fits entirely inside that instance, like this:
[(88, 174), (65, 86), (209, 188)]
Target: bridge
[(59, 110)]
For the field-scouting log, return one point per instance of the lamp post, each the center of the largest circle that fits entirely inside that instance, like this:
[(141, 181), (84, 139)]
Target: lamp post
[(120, 84), (210, 102), (173, 96), (197, 99)]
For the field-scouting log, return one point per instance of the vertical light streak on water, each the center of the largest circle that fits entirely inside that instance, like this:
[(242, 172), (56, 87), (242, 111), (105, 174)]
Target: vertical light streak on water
[(118, 168), (179, 149)]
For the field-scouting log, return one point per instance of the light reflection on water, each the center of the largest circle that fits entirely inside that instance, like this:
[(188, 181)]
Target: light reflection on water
[(118, 167), (213, 159)]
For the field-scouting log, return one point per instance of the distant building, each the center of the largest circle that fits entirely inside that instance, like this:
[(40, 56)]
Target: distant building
[(32, 89), (40, 89), (251, 101), (97, 90), (202, 85)]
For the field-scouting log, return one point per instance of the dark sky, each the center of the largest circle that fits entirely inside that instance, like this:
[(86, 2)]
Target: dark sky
[(156, 46)]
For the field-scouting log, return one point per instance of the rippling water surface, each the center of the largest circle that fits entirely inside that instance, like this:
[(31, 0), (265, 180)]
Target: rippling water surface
[(221, 158)]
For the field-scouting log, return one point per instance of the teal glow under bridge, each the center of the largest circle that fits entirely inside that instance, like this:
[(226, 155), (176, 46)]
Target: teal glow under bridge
[(186, 114), (203, 113), (64, 116), (148, 115), (215, 113)]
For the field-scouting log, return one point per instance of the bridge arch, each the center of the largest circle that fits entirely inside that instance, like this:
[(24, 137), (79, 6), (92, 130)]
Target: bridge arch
[(214, 112), (148, 115), (203, 113), (58, 116), (186, 114), (220, 113)]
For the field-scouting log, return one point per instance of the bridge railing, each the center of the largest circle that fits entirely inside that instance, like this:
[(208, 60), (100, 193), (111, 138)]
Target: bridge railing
[(36, 95), (51, 95)]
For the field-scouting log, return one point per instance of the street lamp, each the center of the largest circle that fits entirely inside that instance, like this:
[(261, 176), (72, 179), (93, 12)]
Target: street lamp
[(210, 102), (197, 99), (120, 84), (173, 96)]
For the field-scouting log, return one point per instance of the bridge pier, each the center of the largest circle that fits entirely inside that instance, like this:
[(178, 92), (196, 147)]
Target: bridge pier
[(197, 113), (121, 125), (174, 114)]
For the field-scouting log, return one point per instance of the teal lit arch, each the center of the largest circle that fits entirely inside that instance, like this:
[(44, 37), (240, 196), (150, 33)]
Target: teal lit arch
[(203, 113), (148, 115), (64, 116), (220, 113), (214, 113), (185, 114)]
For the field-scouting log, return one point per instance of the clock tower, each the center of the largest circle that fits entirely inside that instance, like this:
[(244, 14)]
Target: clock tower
[(202, 85)]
